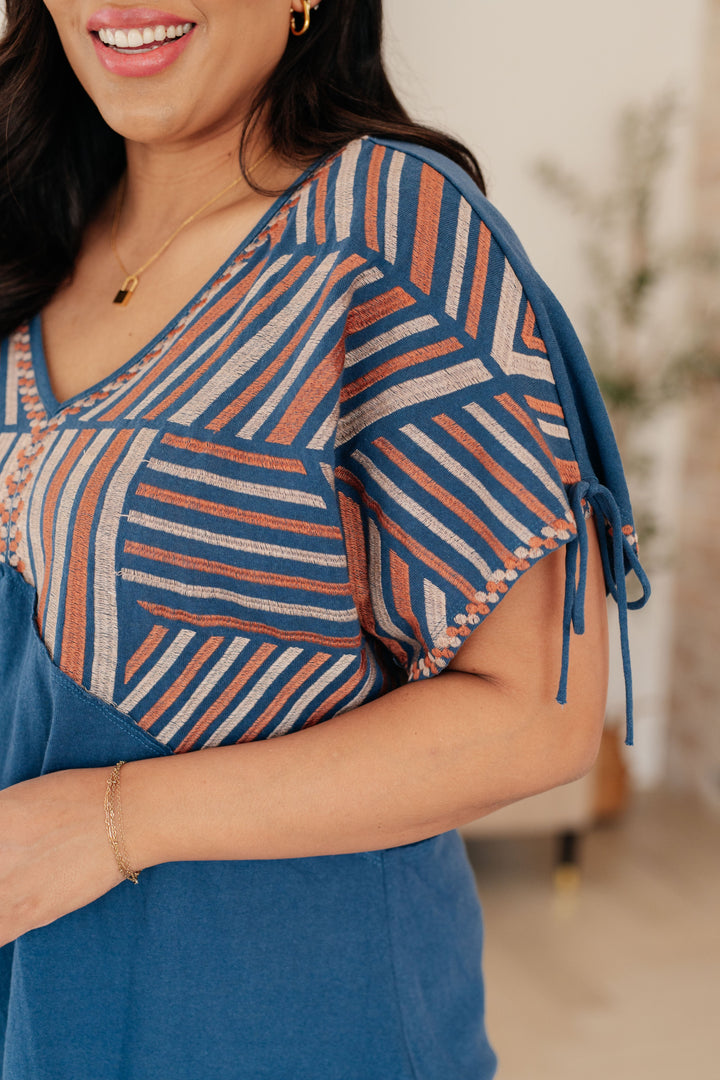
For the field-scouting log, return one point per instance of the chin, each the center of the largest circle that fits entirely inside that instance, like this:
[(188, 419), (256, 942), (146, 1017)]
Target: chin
[(147, 122)]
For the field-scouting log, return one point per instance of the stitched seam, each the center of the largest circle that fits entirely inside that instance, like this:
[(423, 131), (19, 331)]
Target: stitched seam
[(128, 726), (85, 696), (396, 988)]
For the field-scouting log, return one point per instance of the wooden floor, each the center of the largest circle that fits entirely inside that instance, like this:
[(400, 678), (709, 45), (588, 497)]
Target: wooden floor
[(624, 983)]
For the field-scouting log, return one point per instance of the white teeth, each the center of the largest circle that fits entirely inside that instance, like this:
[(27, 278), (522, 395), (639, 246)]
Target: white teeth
[(148, 35)]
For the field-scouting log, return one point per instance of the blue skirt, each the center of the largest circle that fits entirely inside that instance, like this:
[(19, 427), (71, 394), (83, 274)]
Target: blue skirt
[(362, 966)]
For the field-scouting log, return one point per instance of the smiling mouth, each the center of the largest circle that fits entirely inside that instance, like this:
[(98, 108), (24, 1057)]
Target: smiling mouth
[(136, 40)]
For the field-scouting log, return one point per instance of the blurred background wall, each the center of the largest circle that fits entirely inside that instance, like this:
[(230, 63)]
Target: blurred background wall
[(519, 80), (694, 758)]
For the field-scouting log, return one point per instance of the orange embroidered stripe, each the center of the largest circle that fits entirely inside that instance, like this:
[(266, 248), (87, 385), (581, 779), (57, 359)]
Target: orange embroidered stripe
[(506, 479), (183, 680), (426, 228), (267, 521), (242, 457), (445, 499), (569, 471), (235, 407), (326, 375), (72, 659), (298, 679), (50, 505), (144, 651), (520, 415), (278, 289), (347, 687), (550, 408), (260, 577), (528, 332), (477, 292), (400, 583), (184, 342), (320, 197), (387, 303), (228, 694), (428, 557), (399, 363), (197, 619), (359, 575)]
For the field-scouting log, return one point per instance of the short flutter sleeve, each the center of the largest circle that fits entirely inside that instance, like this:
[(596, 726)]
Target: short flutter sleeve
[(463, 432)]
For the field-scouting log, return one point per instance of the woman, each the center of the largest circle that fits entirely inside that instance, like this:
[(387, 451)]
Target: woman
[(286, 416)]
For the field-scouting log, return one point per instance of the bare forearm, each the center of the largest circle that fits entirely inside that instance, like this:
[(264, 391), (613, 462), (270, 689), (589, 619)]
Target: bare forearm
[(425, 758)]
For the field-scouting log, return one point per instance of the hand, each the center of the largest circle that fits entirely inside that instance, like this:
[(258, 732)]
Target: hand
[(55, 855)]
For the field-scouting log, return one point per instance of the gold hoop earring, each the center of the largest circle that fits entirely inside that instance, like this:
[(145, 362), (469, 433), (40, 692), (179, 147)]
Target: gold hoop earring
[(306, 19)]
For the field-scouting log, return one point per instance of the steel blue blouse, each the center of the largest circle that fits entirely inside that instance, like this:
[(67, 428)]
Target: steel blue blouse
[(308, 489)]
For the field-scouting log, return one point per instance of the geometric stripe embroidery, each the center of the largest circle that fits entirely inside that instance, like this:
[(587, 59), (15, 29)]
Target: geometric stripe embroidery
[(329, 467)]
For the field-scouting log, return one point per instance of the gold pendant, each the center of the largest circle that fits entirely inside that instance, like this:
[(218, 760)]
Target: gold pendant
[(124, 295)]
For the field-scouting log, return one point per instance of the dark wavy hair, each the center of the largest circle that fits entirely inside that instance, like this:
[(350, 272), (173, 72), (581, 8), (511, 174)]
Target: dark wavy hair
[(59, 159)]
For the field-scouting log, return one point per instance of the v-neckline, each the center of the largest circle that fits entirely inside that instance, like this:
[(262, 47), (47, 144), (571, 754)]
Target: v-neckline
[(37, 349)]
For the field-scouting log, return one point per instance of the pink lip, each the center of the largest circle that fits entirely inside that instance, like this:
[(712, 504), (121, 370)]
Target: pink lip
[(141, 63), (121, 18)]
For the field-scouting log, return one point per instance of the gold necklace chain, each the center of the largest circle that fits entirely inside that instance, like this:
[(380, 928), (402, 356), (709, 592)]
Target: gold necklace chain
[(130, 284)]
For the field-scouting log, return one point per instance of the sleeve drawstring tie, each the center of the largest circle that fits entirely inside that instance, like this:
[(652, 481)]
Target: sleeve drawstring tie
[(616, 562)]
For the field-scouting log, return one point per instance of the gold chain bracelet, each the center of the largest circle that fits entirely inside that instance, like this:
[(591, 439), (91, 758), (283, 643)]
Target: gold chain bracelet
[(115, 832)]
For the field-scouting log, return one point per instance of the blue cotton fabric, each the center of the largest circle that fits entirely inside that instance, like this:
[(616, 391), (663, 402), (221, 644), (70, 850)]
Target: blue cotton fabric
[(308, 489)]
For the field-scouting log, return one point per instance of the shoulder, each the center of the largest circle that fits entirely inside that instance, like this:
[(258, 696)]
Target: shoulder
[(417, 217), (400, 198), (437, 261), (431, 241), (423, 223), (420, 260)]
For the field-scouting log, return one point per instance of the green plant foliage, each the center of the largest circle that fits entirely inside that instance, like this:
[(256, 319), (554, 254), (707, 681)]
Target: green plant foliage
[(628, 266)]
